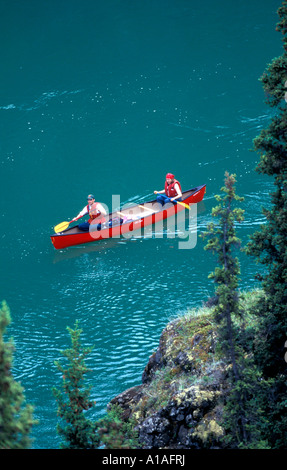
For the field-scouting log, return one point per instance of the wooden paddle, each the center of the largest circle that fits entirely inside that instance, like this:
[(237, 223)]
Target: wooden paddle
[(64, 225), (182, 204), (61, 227)]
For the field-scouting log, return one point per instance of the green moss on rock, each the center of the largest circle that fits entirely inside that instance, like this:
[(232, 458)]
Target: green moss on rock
[(180, 401)]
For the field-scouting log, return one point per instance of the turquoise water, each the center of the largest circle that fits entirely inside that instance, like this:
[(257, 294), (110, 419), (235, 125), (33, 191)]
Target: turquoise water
[(106, 97)]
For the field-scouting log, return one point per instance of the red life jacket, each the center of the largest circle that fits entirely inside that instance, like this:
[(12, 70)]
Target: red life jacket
[(94, 216), (170, 190)]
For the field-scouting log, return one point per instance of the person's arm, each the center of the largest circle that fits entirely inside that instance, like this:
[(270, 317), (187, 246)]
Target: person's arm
[(160, 192), (81, 214)]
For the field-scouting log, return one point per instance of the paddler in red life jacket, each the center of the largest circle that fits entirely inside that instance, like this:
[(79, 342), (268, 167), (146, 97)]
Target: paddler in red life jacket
[(171, 191), (95, 211)]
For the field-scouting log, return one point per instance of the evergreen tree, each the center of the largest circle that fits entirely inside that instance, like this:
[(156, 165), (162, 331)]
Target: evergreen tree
[(222, 242), (243, 419), (16, 420), (115, 432), (269, 245), (74, 399)]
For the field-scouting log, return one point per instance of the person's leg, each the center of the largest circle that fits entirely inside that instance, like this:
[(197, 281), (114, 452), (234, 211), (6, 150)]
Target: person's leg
[(85, 226), (162, 199)]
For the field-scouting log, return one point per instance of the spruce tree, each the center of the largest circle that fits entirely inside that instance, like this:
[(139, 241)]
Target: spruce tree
[(243, 419), (222, 242), (74, 398), (115, 432), (269, 244), (16, 418)]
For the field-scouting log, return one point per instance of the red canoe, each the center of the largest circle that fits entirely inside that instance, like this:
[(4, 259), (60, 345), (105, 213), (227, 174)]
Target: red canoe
[(128, 220)]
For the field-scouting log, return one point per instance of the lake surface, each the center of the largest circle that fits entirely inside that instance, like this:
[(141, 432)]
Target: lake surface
[(106, 98)]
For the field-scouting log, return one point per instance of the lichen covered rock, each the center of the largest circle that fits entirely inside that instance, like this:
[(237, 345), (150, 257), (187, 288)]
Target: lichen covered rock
[(178, 403)]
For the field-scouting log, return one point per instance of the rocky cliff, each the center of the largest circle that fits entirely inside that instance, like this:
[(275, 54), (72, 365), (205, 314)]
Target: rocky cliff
[(179, 403)]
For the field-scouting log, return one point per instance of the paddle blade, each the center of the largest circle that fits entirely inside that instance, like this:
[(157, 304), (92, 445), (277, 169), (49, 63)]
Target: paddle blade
[(185, 205), (61, 227)]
